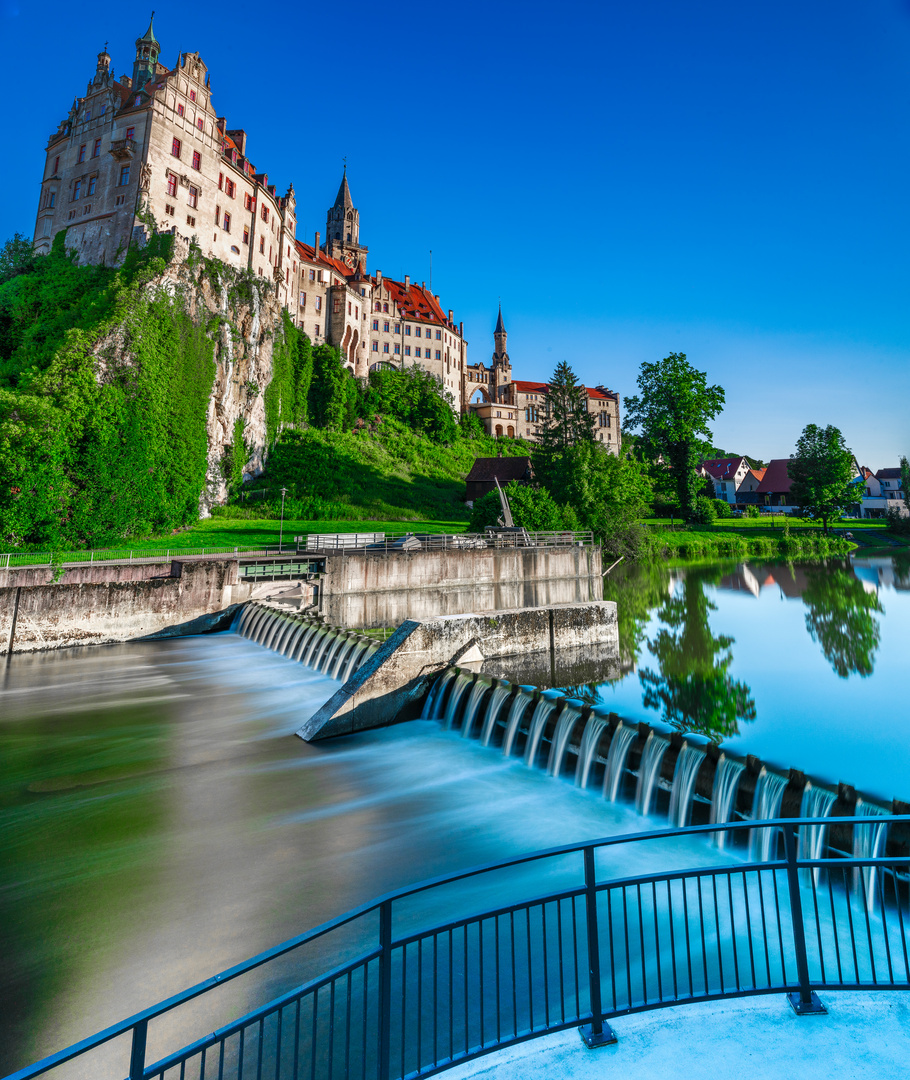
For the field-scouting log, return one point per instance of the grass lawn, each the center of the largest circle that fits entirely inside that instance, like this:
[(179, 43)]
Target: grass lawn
[(228, 532)]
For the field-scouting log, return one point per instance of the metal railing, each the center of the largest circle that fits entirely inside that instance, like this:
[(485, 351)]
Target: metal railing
[(430, 976), (498, 538)]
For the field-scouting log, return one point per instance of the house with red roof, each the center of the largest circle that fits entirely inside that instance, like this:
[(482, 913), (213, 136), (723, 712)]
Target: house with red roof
[(774, 488), (727, 474), (882, 491)]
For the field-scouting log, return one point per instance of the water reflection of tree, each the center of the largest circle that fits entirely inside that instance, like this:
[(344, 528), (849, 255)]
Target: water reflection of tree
[(693, 687), (637, 588), (840, 618)]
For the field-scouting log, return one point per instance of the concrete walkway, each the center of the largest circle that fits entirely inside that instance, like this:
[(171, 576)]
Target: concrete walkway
[(864, 1036)]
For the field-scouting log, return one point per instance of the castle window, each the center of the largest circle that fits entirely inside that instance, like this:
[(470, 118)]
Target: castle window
[(407, 331), (407, 350), (262, 245), (88, 115), (397, 347), (199, 123), (375, 346), (180, 110), (385, 347), (349, 237), (171, 185), (57, 165), (124, 175), (190, 220), (318, 303), (356, 312), (226, 222), (77, 190), (136, 100), (302, 303), (265, 213), (350, 307), (397, 328), (168, 209), (229, 188), (385, 327), (336, 306), (96, 149), (317, 329), (375, 324), (438, 355), (417, 353), (312, 275), (81, 157), (93, 180), (103, 110), (385, 307), (130, 133), (439, 335), (221, 181), (197, 160), (377, 306), (51, 198), (175, 148), (246, 234), (192, 95), (193, 197)]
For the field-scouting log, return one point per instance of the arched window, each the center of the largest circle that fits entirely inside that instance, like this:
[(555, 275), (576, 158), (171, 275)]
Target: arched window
[(385, 307), (377, 306), (511, 432), (499, 431)]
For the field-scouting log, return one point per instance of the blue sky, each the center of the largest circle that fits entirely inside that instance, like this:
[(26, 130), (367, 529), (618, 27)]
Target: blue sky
[(727, 180)]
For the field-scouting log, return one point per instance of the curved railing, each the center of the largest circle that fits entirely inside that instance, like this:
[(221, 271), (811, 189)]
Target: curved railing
[(458, 966)]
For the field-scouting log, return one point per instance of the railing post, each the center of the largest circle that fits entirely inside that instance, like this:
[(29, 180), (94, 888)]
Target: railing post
[(137, 1051), (385, 988), (804, 1001), (597, 1033)]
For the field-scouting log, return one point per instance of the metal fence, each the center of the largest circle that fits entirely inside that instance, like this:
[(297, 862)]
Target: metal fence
[(433, 975)]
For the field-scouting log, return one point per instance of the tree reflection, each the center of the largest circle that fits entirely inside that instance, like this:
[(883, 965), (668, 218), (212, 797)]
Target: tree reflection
[(840, 618), (693, 687)]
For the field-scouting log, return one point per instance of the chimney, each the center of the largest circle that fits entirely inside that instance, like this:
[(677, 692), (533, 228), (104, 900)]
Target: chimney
[(461, 329), (451, 315), (378, 277), (407, 281), (423, 286), (317, 243)]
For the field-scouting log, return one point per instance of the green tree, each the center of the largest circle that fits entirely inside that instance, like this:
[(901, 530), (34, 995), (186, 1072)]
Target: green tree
[(568, 421), (672, 408), (905, 480), (413, 396), (16, 257), (822, 472), (693, 687), (332, 391), (533, 508), (840, 618)]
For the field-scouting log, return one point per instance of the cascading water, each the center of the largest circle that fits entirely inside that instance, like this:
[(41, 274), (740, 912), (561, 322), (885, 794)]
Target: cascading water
[(868, 843), (462, 682), (769, 793), (590, 740), (470, 710), (568, 718), (497, 699), (649, 772), (516, 712), (727, 776), (817, 802), (432, 709), (623, 737), (687, 765), (536, 728)]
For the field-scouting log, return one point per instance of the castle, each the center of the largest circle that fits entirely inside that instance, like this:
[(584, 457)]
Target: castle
[(151, 146)]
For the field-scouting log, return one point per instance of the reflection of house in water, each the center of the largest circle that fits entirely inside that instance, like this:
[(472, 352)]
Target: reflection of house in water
[(884, 573), (742, 579), (791, 580)]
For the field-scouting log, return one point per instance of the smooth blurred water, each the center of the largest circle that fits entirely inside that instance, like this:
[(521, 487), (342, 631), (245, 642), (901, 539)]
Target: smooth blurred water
[(159, 821), (804, 665)]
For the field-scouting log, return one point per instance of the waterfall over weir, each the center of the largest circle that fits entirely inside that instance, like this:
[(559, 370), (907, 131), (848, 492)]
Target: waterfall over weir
[(769, 793), (623, 738), (687, 765), (649, 772), (329, 650), (727, 776)]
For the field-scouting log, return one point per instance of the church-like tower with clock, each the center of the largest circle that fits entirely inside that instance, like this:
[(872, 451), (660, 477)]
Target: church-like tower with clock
[(342, 229)]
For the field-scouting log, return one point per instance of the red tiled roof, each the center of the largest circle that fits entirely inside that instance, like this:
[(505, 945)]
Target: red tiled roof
[(306, 251), (722, 468), (415, 303), (776, 479), (758, 473), (530, 387)]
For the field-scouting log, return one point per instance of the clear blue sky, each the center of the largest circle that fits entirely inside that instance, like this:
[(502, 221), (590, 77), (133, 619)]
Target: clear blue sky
[(728, 180)]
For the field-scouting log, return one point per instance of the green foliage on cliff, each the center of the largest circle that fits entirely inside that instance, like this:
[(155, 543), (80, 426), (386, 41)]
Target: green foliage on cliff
[(104, 388)]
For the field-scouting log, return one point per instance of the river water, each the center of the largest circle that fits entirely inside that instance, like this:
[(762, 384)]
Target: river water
[(159, 821)]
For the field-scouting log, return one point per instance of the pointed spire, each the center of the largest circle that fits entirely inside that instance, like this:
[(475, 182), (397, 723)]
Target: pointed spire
[(500, 326), (343, 198), (149, 36)]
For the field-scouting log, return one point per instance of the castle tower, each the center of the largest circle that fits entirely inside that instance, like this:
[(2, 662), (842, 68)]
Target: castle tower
[(146, 62), (342, 229), (102, 69), (502, 365)]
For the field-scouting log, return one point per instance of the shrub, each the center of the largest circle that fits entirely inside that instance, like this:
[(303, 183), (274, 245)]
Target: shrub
[(751, 512), (705, 510)]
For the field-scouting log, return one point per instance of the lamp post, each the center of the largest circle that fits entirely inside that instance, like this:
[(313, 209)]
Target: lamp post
[(281, 523)]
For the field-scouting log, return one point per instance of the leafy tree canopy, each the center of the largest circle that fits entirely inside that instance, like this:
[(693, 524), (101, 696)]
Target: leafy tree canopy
[(568, 421), (532, 508), (672, 408), (839, 616), (822, 472)]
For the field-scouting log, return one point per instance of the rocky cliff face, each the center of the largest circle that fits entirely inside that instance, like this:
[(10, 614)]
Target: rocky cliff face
[(243, 315)]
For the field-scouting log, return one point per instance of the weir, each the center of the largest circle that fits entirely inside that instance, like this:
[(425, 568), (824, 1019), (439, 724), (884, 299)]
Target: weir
[(688, 779)]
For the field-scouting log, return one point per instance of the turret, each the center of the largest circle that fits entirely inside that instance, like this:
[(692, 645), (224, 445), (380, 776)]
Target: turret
[(146, 63)]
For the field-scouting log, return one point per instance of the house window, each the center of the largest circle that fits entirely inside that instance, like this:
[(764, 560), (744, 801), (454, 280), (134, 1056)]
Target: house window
[(375, 324), (96, 149), (180, 110), (356, 312), (193, 197), (197, 160), (246, 234), (93, 180), (124, 175), (226, 222), (199, 123), (88, 115), (175, 148), (397, 328), (136, 100), (81, 153), (171, 184), (130, 133)]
